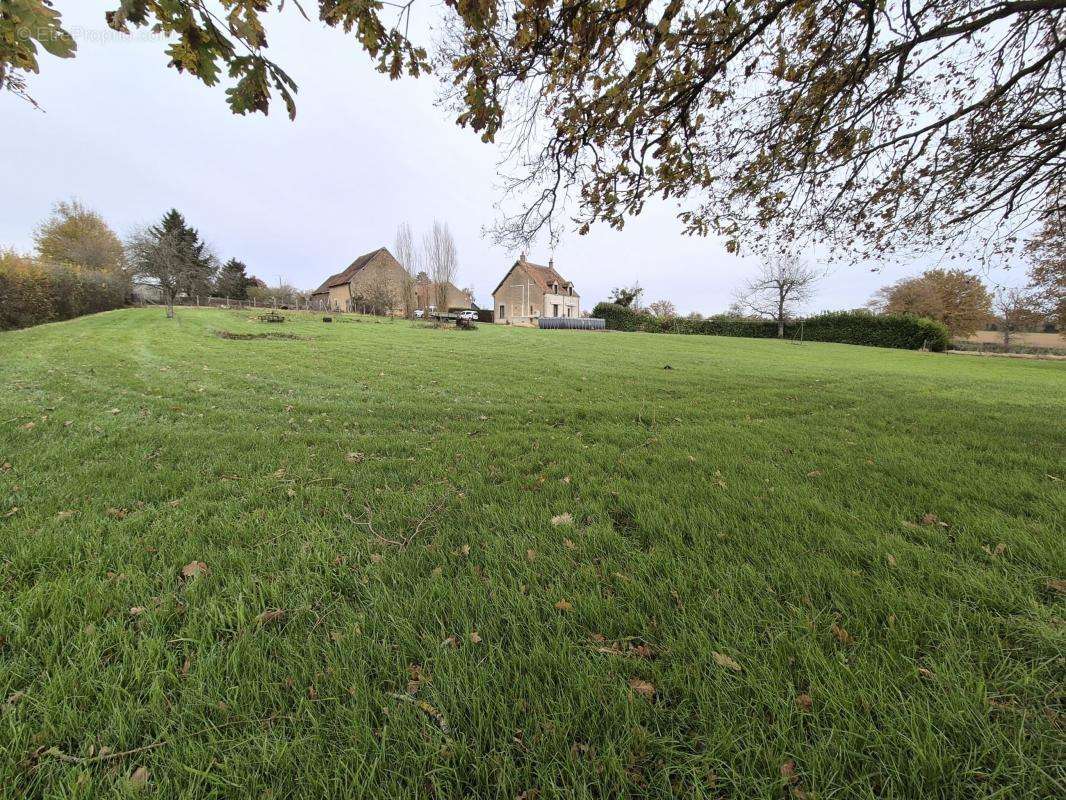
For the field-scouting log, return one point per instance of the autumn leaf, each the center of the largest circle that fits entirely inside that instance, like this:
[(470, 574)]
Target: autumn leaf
[(842, 635), (475, 637), (139, 778), (65, 514), (563, 605), (814, 473), (354, 458), (722, 660), (569, 544), (271, 615), (531, 555), (194, 569), (788, 771), (563, 519), (804, 702), (1057, 585), (136, 611), (891, 559), (641, 687)]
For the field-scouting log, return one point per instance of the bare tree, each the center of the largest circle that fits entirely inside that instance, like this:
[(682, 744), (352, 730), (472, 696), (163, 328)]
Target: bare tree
[(407, 255), (1017, 309), (161, 256), (442, 259), (783, 283), (663, 308)]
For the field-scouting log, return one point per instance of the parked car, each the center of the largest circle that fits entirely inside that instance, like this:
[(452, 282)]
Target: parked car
[(468, 314), (419, 313)]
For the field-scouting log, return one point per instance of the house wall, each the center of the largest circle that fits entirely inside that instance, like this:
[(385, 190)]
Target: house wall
[(522, 298), (569, 305), (382, 271), (426, 297), (524, 301)]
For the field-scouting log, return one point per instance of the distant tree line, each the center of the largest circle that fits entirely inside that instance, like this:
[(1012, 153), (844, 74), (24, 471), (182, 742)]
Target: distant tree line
[(957, 299), (80, 265)]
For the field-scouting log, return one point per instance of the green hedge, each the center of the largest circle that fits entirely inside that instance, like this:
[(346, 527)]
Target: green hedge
[(848, 327), (32, 293)]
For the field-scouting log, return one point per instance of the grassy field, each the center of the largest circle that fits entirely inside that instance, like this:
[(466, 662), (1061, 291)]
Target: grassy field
[(381, 560)]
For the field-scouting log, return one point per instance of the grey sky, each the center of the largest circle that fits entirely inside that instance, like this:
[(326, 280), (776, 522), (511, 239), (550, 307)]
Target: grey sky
[(302, 199)]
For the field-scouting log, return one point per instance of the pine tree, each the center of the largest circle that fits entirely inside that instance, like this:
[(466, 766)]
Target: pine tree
[(199, 264), (233, 280)]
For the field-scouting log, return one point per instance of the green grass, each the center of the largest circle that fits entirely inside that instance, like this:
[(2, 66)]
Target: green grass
[(761, 500)]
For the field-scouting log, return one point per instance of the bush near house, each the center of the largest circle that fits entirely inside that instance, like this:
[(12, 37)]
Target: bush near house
[(902, 331), (32, 293)]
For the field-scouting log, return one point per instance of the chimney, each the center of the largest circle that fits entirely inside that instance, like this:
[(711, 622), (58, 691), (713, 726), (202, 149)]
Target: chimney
[(522, 257), (551, 262)]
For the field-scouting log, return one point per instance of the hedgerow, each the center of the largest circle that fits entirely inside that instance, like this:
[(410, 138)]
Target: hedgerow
[(848, 327), (32, 293)]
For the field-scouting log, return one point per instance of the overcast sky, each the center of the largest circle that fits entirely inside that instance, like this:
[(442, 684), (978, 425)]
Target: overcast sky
[(300, 200)]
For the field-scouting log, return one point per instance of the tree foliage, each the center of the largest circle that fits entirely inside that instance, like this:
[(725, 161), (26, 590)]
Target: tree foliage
[(871, 125), (1047, 273), (627, 296), (77, 236), (208, 40), (663, 308), (954, 297), (233, 280), (171, 254)]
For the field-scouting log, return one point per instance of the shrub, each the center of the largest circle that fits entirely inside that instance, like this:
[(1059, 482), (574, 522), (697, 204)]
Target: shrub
[(617, 317), (32, 293), (904, 331)]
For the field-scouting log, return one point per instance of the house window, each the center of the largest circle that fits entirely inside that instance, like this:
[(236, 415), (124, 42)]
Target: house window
[(503, 312), (555, 309), (569, 309), (531, 311)]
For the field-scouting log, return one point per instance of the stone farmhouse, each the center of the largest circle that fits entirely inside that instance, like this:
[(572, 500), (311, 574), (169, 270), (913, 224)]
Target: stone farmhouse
[(375, 281), (529, 291)]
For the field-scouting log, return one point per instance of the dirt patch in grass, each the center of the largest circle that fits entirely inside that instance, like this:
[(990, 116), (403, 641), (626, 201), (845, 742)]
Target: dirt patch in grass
[(245, 336)]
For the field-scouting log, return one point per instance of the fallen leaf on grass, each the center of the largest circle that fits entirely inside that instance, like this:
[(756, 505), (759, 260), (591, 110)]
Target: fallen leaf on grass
[(117, 411), (563, 605), (117, 513), (722, 660), (186, 665), (999, 549), (475, 637), (1057, 585), (814, 473), (375, 558), (354, 458), (933, 519), (14, 510), (563, 519), (569, 544), (65, 514), (5, 467), (842, 635), (804, 702), (788, 771), (891, 559), (925, 672), (643, 688), (139, 778), (194, 569), (29, 426), (271, 615), (136, 611), (531, 555)]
